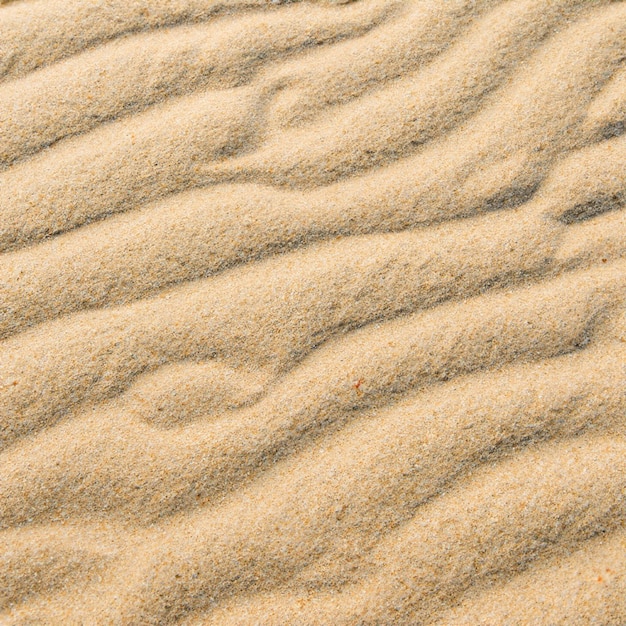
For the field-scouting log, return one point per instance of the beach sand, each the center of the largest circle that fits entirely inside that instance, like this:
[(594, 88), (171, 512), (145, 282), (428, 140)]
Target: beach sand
[(313, 313)]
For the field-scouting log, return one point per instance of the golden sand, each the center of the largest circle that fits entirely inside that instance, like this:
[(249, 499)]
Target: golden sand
[(313, 313)]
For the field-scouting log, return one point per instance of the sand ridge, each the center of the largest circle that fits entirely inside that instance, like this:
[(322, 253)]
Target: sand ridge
[(312, 312)]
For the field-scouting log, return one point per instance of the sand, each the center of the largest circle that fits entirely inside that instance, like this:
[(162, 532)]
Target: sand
[(313, 312)]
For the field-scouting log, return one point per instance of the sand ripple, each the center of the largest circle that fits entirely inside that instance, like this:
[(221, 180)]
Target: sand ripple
[(313, 312)]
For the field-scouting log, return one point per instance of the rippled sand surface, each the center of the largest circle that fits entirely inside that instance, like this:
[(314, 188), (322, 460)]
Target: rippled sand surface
[(313, 313)]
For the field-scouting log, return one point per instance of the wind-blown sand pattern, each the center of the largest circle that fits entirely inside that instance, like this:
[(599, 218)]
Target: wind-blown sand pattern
[(313, 313)]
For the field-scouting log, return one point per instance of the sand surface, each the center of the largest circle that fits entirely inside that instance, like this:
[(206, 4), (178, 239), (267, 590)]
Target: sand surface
[(313, 313)]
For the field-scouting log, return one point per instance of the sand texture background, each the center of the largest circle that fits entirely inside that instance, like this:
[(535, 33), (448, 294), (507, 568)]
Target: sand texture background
[(313, 313)]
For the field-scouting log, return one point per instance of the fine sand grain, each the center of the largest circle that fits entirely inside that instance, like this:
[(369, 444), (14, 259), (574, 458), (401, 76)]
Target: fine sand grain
[(313, 312)]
